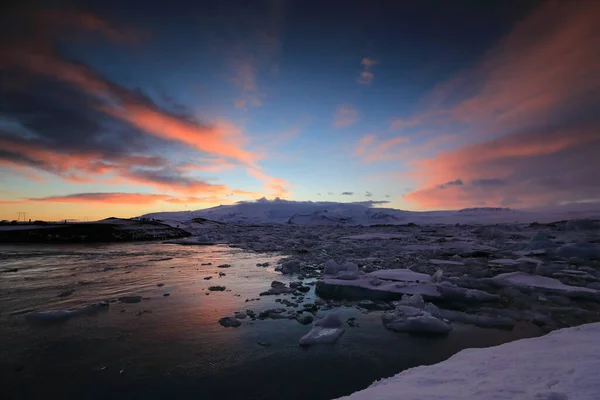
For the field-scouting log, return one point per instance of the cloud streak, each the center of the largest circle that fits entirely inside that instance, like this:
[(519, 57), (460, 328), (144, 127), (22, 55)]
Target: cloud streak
[(123, 198), (370, 149)]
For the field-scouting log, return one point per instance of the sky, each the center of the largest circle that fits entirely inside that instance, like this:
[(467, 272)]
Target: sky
[(124, 108)]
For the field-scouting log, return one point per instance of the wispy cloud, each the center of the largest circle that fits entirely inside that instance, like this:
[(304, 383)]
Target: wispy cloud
[(370, 149), (347, 193), (123, 198), (345, 115), (252, 49), (275, 186), (366, 76)]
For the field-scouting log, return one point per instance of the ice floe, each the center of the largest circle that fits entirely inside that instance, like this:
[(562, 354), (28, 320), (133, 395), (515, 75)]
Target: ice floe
[(326, 330)]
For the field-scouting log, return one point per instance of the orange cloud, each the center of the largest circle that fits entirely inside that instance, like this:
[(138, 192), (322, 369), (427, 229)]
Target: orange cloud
[(210, 139), (207, 138), (345, 115), (152, 171), (124, 198), (217, 165), (276, 186), (520, 169)]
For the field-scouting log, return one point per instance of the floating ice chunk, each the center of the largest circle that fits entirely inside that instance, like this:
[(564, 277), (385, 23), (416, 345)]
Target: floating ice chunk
[(376, 236), (348, 267), (477, 320), (581, 225), (414, 320), (539, 241), (331, 268), (432, 309), (348, 271), (405, 275), (415, 300), (345, 275), (325, 330), (535, 281), (490, 232), (504, 261), (289, 267), (529, 260), (375, 281), (580, 250), (49, 317), (530, 252), (445, 262)]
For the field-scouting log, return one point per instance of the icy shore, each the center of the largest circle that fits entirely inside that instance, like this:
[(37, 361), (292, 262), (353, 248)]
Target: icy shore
[(562, 365)]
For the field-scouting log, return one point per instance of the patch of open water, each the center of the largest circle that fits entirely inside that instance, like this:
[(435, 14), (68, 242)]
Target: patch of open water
[(177, 348)]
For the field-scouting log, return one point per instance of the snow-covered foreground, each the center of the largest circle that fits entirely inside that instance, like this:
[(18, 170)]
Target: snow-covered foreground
[(330, 213), (563, 365)]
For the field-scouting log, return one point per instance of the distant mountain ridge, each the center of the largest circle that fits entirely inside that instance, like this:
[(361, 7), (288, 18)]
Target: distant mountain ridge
[(290, 212)]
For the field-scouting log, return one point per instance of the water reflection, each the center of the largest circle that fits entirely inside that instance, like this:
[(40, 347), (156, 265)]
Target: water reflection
[(176, 347)]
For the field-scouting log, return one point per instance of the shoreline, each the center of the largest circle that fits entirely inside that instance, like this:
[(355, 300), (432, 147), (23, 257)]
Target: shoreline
[(111, 230)]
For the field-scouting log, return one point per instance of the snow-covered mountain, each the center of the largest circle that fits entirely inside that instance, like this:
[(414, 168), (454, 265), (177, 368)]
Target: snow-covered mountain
[(279, 211), (485, 210)]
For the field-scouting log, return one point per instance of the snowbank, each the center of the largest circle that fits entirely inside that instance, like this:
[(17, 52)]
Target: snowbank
[(559, 366)]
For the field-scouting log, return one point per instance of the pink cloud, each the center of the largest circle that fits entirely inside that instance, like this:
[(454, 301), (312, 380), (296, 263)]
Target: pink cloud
[(345, 115), (529, 108), (368, 62), (521, 170)]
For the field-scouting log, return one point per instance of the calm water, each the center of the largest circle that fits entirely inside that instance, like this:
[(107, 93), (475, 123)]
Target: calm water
[(177, 348)]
